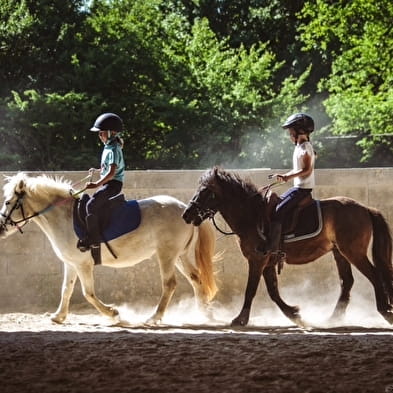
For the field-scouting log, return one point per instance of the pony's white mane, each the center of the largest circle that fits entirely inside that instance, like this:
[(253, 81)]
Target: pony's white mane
[(42, 185)]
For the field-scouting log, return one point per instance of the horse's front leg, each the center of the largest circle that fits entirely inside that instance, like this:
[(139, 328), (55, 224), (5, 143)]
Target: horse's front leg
[(254, 275), (69, 280), (86, 276), (291, 312)]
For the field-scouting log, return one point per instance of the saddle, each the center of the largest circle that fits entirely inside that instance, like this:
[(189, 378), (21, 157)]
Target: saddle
[(304, 222), (117, 218)]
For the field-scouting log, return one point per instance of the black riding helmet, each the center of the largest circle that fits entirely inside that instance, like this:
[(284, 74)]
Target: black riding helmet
[(301, 122), (108, 122)]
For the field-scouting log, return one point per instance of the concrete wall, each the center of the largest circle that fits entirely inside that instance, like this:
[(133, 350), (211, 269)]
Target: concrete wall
[(31, 275)]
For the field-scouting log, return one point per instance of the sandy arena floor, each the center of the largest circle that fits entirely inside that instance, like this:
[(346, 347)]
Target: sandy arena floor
[(88, 354)]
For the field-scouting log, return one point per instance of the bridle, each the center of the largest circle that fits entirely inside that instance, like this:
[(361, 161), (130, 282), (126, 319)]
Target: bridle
[(202, 213), (208, 213), (18, 205)]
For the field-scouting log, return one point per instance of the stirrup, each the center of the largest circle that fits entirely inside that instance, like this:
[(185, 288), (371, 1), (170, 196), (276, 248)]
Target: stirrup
[(83, 245), (96, 253)]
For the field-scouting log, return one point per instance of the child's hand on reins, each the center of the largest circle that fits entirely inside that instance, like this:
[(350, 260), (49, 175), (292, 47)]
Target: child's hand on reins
[(282, 178), (91, 185), (278, 177)]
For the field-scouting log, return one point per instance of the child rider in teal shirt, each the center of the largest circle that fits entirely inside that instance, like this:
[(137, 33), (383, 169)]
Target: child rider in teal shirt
[(110, 183)]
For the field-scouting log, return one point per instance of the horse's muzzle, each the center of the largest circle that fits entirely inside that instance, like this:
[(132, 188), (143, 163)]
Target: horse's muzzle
[(190, 218)]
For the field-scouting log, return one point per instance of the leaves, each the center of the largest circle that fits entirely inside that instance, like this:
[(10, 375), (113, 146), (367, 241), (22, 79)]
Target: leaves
[(197, 83), (360, 35)]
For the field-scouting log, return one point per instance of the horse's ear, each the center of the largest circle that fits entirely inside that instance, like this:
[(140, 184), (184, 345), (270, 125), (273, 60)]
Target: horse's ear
[(20, 186), (216, 169)]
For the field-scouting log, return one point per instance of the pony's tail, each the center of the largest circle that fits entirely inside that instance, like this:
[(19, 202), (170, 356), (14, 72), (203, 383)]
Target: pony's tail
[(382, 251), (204, 255)]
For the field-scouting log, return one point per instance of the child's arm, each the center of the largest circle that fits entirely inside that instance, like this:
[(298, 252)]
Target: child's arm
[(304, 172), (109, 176)]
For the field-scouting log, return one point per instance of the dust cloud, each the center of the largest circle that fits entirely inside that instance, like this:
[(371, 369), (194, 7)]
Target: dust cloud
[(361, 311)]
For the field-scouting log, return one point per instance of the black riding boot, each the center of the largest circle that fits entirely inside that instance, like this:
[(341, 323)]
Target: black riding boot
[(94, 237), (273, 241), (278, 257)]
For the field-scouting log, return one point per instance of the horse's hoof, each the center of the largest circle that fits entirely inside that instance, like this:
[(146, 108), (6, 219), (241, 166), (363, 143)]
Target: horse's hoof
[(297, 320), (239, 322), (57, 319), (336, 319), (114, 314), (153, 321), (294, 316), (388, 315), (242, 318), (300, 323)]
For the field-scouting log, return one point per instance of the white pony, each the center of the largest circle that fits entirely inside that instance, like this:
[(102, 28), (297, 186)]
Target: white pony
[(162, 231)]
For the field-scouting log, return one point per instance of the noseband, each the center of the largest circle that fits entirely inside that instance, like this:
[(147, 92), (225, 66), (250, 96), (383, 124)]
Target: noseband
[(208, 213), (202, 213), (18, 205)]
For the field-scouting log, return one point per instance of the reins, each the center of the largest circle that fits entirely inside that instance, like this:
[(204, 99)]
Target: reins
[(234, 233), (220, 230), (265, 189), (25, 220)]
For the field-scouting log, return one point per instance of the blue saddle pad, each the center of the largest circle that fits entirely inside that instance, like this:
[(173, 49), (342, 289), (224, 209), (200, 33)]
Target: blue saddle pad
[(124, 219)]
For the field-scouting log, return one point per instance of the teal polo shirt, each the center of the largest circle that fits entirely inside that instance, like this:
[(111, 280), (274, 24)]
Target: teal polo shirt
[(113, 154)]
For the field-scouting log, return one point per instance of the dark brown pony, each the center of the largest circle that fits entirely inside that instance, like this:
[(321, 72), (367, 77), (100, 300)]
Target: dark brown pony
[(347, 230)]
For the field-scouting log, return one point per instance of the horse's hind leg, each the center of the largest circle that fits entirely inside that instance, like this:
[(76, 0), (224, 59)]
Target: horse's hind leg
[(168, 283), (346, 281), (382, 300), (291, 312), (193, 276), (69, 280)]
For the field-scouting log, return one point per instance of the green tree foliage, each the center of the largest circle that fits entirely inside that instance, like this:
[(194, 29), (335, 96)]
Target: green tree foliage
[(358, 36), (187, 97), (36, 43), (39, 133), (197, 82), (227, 96), (41, 115), (249, 22)]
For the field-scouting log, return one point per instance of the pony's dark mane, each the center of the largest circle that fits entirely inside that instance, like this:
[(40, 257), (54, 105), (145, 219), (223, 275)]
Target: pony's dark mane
[(239, 197), (232, 182)]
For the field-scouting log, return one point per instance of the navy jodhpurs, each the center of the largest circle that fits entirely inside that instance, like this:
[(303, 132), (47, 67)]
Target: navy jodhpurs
[(101, 196), (289, 200)]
